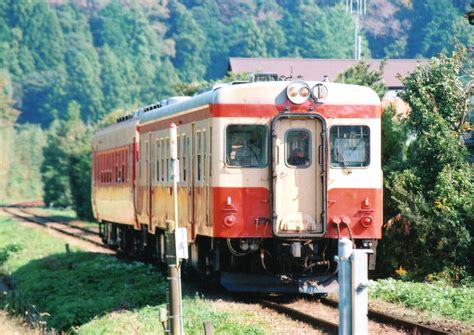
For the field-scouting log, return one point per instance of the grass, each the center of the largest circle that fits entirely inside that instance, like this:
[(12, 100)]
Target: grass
[(90, 293), (439, 298), (195, 309)]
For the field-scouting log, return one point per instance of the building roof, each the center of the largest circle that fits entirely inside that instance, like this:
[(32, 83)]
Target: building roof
[(317, 68)]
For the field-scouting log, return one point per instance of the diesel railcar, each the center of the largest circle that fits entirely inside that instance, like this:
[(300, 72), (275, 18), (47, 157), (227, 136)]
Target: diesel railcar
[(272, 173)]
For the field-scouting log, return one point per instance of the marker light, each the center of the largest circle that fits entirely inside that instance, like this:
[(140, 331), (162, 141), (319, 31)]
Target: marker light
[(366, 221), (297, 92), (319, 92)]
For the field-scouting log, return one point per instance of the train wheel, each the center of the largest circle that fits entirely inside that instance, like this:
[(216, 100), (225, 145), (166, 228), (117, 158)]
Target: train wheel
[(110, 234), (126, 240)]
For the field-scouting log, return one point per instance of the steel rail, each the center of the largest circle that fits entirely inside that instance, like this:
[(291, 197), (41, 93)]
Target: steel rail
[(306, 318), (413, 327), (43, 222), (52, 219)]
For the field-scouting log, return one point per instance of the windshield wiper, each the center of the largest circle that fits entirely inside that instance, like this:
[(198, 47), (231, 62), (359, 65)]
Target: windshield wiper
[(341, 159)]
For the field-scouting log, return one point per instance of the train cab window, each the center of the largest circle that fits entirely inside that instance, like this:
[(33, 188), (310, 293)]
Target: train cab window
[(350, 146), (246, 146), (298, 148)]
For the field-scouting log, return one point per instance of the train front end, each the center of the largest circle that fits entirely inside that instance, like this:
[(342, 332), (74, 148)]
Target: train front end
[(301, 168)]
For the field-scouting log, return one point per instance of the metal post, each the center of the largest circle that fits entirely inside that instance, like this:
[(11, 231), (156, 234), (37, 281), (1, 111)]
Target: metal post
[(360, 298), (173, 280), (344, 278)]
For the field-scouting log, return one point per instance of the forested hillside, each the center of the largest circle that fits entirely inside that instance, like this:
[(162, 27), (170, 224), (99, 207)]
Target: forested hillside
[(105, 54), (70, 66)]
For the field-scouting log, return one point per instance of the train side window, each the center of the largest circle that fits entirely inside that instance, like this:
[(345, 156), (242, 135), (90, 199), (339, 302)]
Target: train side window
[(124, 165), (199, 157), (158, 154), (210, 151), (163, 152), (140, 161), (246, 146), (182, 163), (147, 162), (168, 160), (204, 155), (350, 146), (298, 148), (187, 154)]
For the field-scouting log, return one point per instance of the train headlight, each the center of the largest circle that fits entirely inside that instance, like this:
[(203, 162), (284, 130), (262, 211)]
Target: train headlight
[(298, 92), (319, 92)]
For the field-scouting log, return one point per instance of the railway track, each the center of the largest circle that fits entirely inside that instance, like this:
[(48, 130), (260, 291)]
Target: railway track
[(406, 326), (332, 327), (76, 230), (412, 327), (80, 230), (313, 321)]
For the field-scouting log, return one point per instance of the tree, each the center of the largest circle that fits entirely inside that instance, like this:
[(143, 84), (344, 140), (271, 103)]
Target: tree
[(115, 86), (248, 39), (433, 28), (61, 135), (316, 32), (215, 50), (386, 26), (433, 190), (84, 85), (43, 96), (360, 74), (190, 41), (24, 176), (8, 116)]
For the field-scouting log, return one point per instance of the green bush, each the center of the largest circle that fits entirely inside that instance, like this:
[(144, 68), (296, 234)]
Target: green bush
[(429, 191)]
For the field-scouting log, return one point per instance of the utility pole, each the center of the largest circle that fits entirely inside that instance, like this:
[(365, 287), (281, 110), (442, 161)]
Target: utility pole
[(357, 8)]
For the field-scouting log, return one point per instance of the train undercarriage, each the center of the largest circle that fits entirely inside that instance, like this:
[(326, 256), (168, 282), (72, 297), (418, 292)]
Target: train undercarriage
[(241, 264)]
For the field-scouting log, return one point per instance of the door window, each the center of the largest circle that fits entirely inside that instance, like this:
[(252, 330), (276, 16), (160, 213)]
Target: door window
[(298, 148)]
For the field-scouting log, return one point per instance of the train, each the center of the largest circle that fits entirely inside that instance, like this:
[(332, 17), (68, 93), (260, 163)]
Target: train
[(272, 172)]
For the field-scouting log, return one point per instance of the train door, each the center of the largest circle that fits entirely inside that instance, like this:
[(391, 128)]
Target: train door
[(299, 176), (201, 180)]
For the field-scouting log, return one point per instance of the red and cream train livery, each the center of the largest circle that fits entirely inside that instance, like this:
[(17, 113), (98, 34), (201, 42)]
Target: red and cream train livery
[(272, 173)]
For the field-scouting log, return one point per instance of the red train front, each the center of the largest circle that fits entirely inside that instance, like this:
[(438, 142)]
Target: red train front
[(272, 173)]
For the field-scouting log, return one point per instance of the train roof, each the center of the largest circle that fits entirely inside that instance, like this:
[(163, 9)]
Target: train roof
[(271, 93)]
